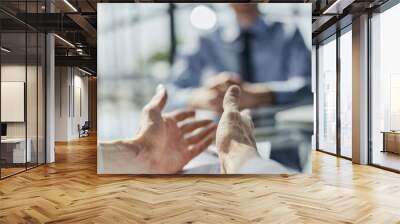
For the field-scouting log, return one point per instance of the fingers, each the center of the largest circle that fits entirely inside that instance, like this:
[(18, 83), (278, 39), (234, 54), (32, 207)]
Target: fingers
[(193, 125), (232, 98), (159, 99), (180, 115), (223, 80), (198, 137), (234, 80), (216, 103), (198, 148)]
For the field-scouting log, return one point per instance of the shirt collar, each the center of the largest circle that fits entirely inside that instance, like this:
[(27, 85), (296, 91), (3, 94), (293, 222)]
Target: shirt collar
[(231, 33)]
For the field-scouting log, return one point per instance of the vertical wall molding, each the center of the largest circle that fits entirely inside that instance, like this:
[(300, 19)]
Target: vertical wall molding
[(0, 90), (338, 96), (316, 103), (360, 90), (92, 100), (50, 99)]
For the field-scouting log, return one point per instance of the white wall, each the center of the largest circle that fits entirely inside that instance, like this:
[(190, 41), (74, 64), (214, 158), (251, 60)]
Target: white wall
[(34, 125), (70, 83), (12, 73), (62, 81), (17, 73), (79, 117)]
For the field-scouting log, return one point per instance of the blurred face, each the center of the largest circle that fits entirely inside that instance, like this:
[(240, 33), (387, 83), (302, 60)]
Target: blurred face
[(246, 13), (245, 9)]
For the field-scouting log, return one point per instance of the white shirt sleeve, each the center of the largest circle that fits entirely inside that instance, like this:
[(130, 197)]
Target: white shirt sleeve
[(258, 165)]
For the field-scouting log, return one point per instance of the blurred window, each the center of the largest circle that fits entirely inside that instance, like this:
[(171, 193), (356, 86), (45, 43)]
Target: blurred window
[(346, 94), (327, 96)]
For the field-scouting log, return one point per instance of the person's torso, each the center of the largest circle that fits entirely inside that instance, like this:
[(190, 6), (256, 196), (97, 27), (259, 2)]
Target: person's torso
[(268, 50)]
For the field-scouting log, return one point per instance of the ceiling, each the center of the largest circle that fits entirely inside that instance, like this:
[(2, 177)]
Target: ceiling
[(76, 22)]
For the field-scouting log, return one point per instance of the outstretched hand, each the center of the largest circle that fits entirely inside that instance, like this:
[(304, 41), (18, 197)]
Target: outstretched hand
[(170, 140), (235, 140)]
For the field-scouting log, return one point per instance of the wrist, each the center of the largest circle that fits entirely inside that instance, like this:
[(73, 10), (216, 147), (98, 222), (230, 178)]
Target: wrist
[(234, 160), (124, 156), (141, 148)]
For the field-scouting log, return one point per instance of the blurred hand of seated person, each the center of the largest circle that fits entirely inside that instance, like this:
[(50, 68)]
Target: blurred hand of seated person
[(252, 94), (255, 95), (211, 95), (235, 140), (163, 145)]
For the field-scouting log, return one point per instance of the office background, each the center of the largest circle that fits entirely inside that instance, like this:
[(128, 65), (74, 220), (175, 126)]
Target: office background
[(22, 88), (334, 57)]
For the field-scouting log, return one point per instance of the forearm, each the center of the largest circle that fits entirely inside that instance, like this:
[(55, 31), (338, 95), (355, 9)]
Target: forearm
[(239, 154), (287, 91), (123, 157)]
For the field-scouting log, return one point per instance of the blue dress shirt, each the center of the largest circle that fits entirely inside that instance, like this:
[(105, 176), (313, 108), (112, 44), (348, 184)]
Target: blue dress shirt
[(279, 58)]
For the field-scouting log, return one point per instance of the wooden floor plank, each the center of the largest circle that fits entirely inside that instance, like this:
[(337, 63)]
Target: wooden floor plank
[(70, 191)]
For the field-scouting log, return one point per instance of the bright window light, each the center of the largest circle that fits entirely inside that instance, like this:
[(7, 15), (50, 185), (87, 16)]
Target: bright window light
[(65, 41), (202, 17), (84, 71), (5, 50), (70, 5)]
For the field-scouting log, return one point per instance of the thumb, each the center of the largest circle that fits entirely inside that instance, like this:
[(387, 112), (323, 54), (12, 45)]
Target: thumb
[(232, 98), (159, 99)]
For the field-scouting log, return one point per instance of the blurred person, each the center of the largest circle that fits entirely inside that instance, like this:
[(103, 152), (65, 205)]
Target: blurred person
[(271, 66)]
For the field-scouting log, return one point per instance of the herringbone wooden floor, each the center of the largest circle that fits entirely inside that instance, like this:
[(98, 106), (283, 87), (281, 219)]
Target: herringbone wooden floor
[(70, 191)]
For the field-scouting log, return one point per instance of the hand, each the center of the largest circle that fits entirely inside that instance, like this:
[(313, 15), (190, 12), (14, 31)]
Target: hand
[(222, 81), (255, 95), (171, 146), (252, 94), (206, 99), (210, 96), (235, 140), (164, 143)]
